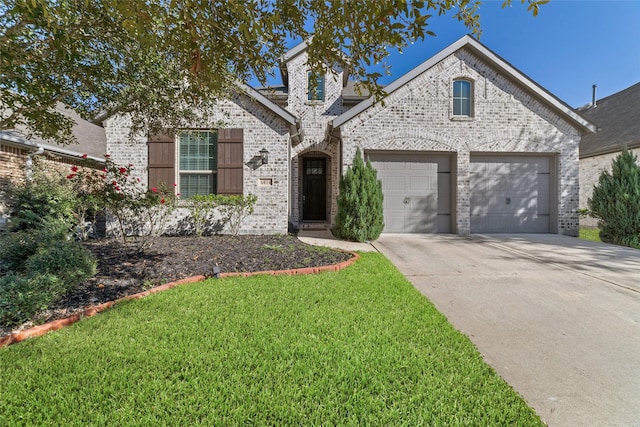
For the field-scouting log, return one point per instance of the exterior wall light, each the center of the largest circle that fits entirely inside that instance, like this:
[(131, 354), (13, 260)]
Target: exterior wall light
[(264, 156)]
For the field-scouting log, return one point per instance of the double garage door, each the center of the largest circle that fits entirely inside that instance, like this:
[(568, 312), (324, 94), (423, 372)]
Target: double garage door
[(509, 194)]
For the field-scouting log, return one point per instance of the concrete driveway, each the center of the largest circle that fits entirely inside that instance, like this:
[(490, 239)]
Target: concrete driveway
[(557, 317)]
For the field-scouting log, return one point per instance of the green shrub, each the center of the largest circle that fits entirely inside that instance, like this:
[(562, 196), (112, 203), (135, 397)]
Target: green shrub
[(37, 267), (202, 208), (48, 196), (616, 202), (360, 200), (211, 212), (16, 247), (66, 259), (234, 209), (23, 296)]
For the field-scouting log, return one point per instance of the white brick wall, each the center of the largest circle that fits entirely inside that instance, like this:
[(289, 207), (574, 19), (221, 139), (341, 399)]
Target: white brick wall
[(262, 128), (415, 117), (315, 116), (506, 120)]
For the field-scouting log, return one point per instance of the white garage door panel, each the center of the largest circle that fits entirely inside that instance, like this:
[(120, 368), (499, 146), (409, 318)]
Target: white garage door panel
[(415, 198), (510, 194)]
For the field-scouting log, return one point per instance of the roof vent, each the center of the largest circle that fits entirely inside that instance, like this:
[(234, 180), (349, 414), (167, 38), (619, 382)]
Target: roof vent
[(593, 97)]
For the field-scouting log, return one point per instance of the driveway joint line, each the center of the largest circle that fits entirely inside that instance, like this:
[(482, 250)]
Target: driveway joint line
[(561, 266)]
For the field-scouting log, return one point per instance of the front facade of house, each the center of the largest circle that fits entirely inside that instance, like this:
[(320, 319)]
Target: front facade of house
[(463, 144)]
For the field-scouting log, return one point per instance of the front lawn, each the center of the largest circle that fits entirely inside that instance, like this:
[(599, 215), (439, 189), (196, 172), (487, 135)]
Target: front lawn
[(356, 347), (592, 234)]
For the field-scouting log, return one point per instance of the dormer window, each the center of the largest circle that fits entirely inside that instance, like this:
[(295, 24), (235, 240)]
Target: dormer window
[(462, 98), (315, 86)]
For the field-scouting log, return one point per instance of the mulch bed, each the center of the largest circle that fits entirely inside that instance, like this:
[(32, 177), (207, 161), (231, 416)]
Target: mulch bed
[(123, 270)]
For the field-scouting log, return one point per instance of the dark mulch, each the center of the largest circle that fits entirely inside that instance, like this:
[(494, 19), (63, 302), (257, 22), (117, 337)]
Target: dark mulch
[(122, 270)]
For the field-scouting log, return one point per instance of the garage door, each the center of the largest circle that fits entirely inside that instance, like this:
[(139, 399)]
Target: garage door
[(416, 189), (510, 194)]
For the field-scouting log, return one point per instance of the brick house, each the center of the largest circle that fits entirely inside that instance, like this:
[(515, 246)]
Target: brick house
[(17, 152), (618, 119), (464, 143)]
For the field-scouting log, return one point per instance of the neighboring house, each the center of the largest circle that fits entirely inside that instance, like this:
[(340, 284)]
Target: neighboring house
[(618, 119), (17, 153), (464, 143)]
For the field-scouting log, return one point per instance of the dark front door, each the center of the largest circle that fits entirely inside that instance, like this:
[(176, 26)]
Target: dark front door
[(314, 189)]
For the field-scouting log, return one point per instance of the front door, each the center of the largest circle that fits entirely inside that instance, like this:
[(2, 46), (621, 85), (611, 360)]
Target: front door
[(314, 189)]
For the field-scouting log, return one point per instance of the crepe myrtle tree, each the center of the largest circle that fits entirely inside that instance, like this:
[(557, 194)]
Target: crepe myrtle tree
[(164, 63)]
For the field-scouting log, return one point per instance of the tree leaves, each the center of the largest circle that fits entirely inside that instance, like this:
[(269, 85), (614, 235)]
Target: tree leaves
[(159, 60)]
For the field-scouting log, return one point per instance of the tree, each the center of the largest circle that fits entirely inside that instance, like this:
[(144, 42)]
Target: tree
[(165, 62), (359, 215), (616, 202)]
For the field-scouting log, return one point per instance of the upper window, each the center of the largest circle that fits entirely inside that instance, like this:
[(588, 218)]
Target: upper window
[(315, 86), (198, 154), (462, 97)]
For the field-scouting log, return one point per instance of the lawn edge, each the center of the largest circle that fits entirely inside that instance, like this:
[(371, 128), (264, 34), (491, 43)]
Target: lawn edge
[(91, 311)]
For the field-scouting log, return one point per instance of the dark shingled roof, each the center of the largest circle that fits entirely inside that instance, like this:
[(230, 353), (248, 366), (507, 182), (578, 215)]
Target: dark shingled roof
[(618, 119)]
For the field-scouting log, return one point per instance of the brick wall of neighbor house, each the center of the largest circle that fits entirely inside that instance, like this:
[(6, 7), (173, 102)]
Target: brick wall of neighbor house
[(12, 170), (590, 170), (315, 115), (12, 161), (506, 120), (262, 129)]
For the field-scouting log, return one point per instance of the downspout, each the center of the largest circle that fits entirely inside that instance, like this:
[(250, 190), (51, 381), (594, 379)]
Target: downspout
[(29, 168)]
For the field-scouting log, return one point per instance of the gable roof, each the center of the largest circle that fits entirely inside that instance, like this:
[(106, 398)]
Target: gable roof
[(618, 119), (91, 138), (494, 60), (266, 102)]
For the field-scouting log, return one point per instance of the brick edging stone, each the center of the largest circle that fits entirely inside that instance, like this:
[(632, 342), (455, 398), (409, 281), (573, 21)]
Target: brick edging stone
[(54, 325)]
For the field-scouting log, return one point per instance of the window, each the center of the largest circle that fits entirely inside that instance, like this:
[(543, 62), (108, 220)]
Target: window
[(198, 162), (207, 162), (462, 98), (315, 87)]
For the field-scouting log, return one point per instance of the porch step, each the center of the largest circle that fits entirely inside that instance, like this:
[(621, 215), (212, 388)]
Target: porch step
[(315, 226)]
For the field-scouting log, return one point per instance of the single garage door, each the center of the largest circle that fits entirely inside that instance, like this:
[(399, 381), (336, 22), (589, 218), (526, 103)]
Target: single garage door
[(417, 191), (510, 194)]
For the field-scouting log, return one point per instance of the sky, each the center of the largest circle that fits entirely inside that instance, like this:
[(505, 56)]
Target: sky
[(570, 46)]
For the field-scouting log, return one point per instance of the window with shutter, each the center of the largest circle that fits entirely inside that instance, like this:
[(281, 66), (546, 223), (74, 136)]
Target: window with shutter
[(210, 162)]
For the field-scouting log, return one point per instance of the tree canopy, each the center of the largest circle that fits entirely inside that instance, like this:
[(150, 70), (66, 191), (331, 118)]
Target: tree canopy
[(163, 62)]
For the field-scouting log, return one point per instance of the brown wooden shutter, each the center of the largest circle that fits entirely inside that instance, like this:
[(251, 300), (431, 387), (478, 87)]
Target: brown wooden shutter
[(162, 160), (230, 161)]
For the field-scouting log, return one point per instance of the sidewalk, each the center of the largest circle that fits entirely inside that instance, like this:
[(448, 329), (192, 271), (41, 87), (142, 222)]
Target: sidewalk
[(325, 238)]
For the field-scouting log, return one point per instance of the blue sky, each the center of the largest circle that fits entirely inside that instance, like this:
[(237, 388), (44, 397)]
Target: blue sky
[(567, 48)]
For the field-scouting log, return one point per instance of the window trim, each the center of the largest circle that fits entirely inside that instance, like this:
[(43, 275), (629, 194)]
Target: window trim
[(471, 100)]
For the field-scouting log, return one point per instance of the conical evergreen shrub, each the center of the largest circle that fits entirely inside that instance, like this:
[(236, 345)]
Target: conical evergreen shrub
[(359, 215), (616, 202)]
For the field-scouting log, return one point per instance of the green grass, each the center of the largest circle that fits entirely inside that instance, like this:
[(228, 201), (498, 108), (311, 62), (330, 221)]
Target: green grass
[(592, 234), (357, 347)]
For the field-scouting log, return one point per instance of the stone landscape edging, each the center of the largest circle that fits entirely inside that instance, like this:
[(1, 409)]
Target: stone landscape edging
[(54, 325)]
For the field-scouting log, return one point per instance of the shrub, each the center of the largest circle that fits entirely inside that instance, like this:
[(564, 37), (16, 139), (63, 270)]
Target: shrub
[(38, 266), (23, 296), (360, 200), (46, 197), (234, 209), (67, 260), (16, 247), (211, 212), (202, 208), (616, 202)]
